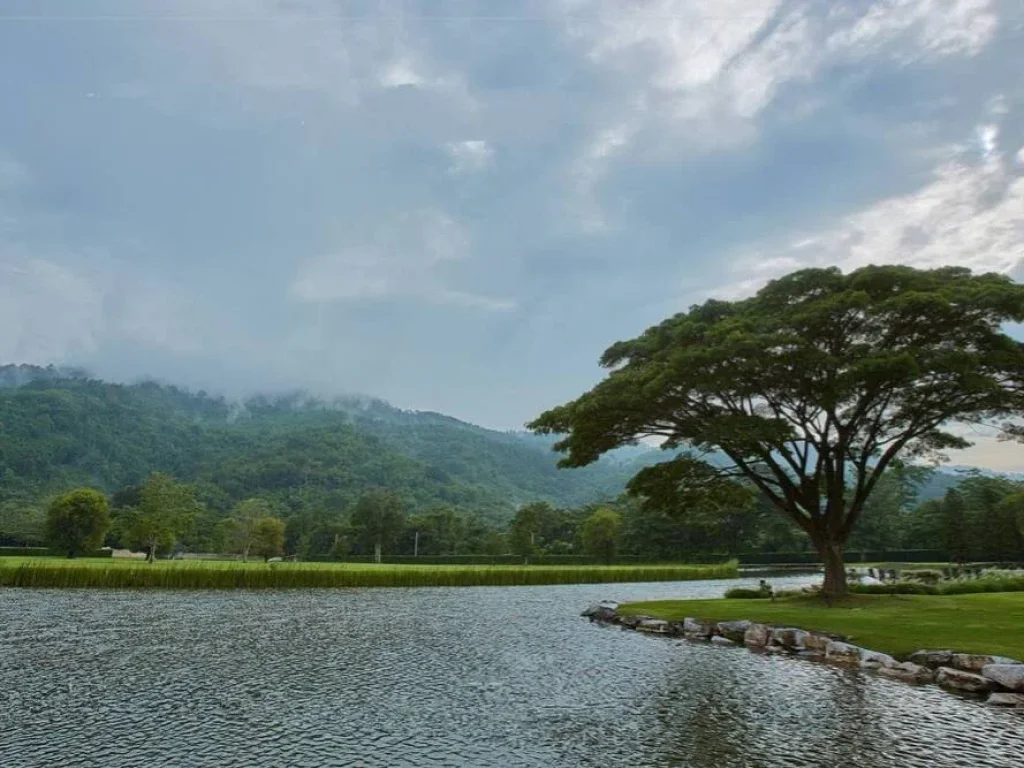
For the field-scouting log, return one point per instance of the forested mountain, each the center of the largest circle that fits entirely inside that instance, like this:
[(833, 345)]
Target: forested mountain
[(60, 429)]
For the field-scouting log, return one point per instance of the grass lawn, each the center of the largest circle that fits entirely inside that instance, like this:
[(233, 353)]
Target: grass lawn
[(897, 624), (227, 574)]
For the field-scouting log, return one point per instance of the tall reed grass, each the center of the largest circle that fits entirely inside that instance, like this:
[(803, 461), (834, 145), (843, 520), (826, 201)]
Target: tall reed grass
[(220, 575)]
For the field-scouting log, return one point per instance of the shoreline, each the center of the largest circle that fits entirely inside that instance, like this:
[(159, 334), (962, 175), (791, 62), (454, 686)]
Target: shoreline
[(997, 678)]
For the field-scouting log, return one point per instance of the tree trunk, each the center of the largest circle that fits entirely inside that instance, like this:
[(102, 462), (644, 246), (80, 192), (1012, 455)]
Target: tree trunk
[(376, 552), (151, 555), (835, 569), (245, 554)]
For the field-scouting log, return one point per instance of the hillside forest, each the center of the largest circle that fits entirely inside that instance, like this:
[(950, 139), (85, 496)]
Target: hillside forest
[(326, 469)]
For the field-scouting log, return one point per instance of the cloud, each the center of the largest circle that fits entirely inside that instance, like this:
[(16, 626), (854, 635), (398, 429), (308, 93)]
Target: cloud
[(471, 156), (48, 312), (301, 46), (689, 78), (409, 256), (969, 214)]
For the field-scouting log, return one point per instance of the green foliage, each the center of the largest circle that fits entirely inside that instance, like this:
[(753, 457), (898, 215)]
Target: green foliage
[(77, 521), (22, 523), (166, 510), (268, 537), (745, 593), (242, 531), (213, 575), (304, 456), (811, 390), (522, 532), (601, 533), (378, 518)]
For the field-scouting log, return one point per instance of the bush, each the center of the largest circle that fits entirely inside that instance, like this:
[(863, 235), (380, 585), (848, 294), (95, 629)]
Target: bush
[(24, 551), (46, 552), (746, 593), (924, 575), (897, 588)]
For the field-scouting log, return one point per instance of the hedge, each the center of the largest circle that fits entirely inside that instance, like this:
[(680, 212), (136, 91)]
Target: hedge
[(45, 552)]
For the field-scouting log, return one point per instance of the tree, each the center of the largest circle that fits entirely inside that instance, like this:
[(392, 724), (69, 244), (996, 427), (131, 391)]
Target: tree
[(268, 537), (77, 521), (955, 532), (165, 510), (600, 534), (993, 523), (245, 522), (522, 531), (884, 517), (378, 517), (810, 390), (22, 523)]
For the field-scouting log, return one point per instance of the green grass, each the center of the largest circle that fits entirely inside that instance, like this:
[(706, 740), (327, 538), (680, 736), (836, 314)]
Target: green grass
[(897, 625), (193, 574)]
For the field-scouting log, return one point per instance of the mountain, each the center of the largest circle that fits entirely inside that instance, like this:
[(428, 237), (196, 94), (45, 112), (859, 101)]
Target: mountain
[(60, 429)]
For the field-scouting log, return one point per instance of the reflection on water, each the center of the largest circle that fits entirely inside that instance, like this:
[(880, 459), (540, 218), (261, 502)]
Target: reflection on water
[(424, 677)]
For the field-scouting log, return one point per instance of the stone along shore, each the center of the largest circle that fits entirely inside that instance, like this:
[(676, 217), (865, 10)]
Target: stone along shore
[(998, 678)]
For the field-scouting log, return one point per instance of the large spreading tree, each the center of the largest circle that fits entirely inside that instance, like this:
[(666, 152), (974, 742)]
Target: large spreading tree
[(808, 391)]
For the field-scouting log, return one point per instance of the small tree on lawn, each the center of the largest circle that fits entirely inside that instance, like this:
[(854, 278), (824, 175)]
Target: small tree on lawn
[(268, 537), (165, 510), (77, 521), (378, 518), (245, 521), (810, 390), (522, 531), (601, 533)]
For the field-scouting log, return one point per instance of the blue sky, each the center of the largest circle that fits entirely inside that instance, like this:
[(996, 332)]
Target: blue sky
[(457, 205)]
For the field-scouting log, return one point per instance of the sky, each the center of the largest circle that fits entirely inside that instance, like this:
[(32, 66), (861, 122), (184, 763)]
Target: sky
[(457, 205)]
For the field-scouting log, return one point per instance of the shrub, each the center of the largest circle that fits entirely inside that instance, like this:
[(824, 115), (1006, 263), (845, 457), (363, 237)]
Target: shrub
[(746, 593), (925, 575), (898, 588)]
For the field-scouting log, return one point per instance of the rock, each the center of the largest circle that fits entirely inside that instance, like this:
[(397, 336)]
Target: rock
[(959, 680), (1007, 675), (1000, 699), (876, 660), (695, 629), (757, 635), (733, 630), (975, 662), (601, 612), (631, 621), (932, 659), (654, 626), (720, 640), (837, 652), (908, 672), (816, 642), (811, 654), (789, 638)]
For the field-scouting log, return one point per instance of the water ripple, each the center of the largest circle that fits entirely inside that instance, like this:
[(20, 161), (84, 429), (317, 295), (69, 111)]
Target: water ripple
[(440, 677)]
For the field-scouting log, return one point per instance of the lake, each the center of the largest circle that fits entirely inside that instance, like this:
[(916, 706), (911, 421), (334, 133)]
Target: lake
[(474, 676)]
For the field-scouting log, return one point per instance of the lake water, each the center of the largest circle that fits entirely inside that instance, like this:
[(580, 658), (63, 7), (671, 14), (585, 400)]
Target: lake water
[(436, 677)]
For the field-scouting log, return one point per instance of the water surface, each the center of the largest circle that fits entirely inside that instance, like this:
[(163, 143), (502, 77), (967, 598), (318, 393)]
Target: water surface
[(488, 676)]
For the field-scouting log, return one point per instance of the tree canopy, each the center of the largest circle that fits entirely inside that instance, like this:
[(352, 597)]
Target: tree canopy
[(76, 521), (809, 390)]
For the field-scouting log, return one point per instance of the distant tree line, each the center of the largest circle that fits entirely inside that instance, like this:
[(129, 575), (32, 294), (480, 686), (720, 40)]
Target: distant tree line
[(980, 518)]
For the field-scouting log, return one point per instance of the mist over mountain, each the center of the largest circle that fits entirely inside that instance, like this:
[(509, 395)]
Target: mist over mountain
[(62, 429)]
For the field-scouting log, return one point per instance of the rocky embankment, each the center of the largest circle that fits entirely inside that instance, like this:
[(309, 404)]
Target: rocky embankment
[(999, 679)]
